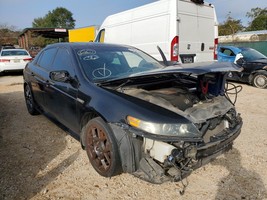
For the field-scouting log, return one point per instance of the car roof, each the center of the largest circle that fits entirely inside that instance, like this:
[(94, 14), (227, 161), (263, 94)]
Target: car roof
[(14, 49), (8, 47), (86, 44), (234, 47)]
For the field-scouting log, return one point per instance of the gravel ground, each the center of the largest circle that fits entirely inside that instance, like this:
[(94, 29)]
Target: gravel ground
[(38, 160)]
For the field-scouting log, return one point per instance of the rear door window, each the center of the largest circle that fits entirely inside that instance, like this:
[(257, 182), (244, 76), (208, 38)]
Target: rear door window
[(47, 58), (62, 60), (228, 52)]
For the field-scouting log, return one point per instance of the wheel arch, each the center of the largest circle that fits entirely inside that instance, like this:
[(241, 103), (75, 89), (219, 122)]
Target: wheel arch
[(251, 76), (86, 117), (129, 146), (96, 147)]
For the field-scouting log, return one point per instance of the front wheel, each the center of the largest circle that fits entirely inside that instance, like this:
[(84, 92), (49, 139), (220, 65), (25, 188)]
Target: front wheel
[(31, 107), (260, 81), (102, 148)]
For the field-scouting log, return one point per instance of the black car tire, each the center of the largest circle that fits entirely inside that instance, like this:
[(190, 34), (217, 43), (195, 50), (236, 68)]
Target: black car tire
[(102, 148), (31, 106), (260, 81)]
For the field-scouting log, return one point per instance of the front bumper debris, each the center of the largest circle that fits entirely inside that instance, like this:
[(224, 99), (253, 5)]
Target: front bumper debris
[(171, 170)]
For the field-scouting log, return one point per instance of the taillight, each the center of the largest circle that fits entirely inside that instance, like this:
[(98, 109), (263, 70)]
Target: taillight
[(175, 48), (4, 60), (27, 59), (215, 49)]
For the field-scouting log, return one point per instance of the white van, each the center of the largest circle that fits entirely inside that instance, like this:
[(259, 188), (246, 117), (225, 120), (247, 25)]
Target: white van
[(181, 28)]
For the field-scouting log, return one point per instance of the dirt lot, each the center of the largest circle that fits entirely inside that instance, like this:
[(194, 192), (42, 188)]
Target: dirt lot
[(38, 160)]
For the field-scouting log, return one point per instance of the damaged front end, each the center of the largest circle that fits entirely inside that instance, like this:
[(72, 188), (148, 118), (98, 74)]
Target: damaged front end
[(170, 152), (174, 160)]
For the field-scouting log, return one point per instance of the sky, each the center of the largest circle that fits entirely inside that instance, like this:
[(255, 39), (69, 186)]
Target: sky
[(21, 13)]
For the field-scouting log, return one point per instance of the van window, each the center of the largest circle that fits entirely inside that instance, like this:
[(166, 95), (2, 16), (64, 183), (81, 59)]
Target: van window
[(100, 36)]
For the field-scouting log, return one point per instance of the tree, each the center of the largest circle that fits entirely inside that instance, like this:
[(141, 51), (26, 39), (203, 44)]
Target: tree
[(258, 19), (230, 26), (8, 34), (255, 12), (58, 18)]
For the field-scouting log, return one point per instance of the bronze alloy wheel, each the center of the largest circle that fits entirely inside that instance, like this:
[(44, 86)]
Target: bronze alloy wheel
[(101, 148)]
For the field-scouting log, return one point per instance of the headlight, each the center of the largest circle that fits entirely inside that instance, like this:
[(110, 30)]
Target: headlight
[(181, 130)]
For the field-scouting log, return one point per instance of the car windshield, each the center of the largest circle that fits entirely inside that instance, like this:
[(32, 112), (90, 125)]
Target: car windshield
[(251, 55), (108, 63), (14, 53)]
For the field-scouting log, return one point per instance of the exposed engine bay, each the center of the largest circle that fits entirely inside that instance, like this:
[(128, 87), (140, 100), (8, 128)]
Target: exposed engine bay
[(200, 99), (197, 99)]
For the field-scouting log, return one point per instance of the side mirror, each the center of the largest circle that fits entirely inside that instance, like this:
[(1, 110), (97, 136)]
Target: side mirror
[(60, 76)]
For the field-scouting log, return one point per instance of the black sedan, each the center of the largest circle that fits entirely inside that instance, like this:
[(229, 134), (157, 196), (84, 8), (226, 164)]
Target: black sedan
[(253, 62), (130, 113)]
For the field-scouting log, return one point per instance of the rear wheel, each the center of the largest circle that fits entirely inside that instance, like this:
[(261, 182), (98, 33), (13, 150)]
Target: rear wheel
[(31, 107), (260, 81), (102, 148)]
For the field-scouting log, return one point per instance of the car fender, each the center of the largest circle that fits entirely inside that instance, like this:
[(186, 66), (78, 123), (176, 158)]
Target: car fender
[(120, 105), (129, 146)]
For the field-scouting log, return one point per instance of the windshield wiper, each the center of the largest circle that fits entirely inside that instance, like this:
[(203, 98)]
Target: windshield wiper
[(123, 84), (115, 82)]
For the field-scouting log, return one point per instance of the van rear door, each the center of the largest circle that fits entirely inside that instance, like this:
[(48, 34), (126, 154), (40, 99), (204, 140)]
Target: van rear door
[(196, 31)]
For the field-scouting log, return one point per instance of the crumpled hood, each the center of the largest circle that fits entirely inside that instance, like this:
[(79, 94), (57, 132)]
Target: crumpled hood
[(197, 98), (202, 111), (194, 68), (198, 113)]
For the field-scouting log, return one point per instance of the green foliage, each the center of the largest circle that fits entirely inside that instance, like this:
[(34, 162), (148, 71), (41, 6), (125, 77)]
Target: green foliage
[(39, 22), (230, 26), (57, 18), (38, 41), (8, 35), (258, 19), (255, 12)]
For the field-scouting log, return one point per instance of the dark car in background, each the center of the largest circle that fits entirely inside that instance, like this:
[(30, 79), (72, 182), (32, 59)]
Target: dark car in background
[(7, 47), (132, 114), (253, 62)]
